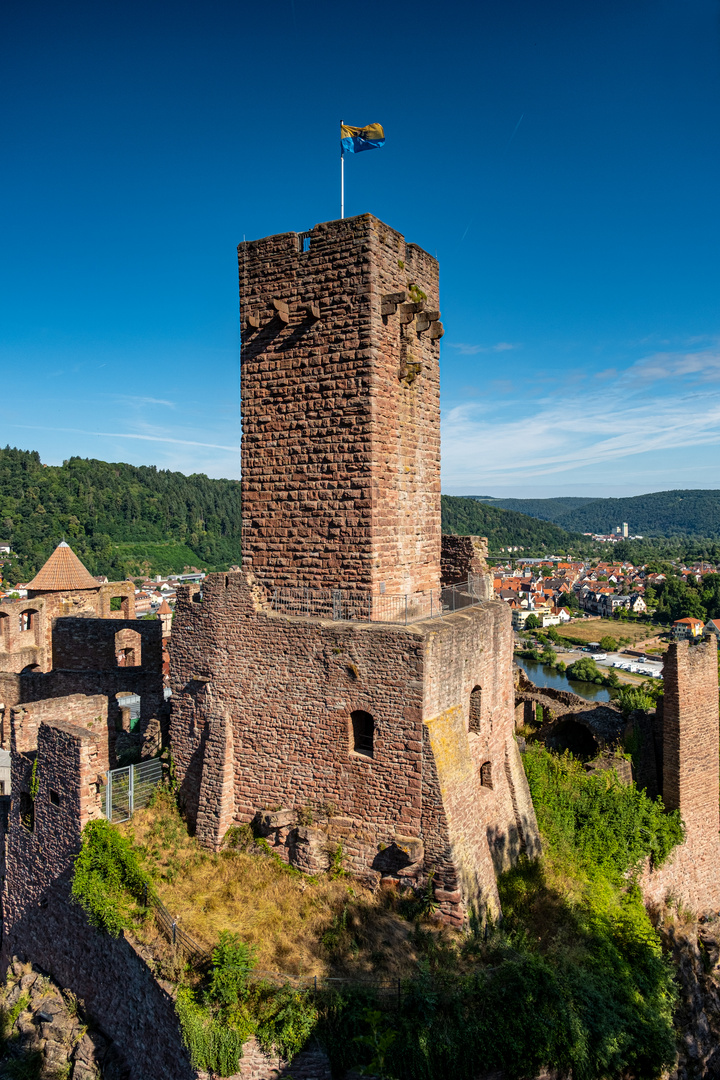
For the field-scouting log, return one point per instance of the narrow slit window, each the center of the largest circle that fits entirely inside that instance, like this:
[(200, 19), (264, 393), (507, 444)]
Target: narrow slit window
[(486, 775), (475, 709), (363, 733)]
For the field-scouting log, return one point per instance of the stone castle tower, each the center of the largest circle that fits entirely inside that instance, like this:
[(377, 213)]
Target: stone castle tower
[(330, 674), (341, 409), (687, 758)]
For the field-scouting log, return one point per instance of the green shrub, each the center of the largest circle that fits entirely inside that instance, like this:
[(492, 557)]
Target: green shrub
[(286, 1018), (611, 826), (211, 1042), (233, 961), (630, 698), (106, 876)]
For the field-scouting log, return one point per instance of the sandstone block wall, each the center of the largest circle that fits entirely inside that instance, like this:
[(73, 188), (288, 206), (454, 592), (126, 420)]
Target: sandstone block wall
[(92, 644), (690, 776), (23, 648), (28, 642), (340, 404), (285, 689)]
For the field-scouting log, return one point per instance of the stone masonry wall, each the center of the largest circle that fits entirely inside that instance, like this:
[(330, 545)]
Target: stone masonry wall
[(20, 648), (340, 403), (68, 739), (32, 647), (691, 777), (462, 558), (286, 687)]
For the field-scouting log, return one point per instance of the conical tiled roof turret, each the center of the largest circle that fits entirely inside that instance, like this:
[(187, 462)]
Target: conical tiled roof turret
[(63, 572)]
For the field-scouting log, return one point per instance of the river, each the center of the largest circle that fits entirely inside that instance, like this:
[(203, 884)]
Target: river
[(542, 675)]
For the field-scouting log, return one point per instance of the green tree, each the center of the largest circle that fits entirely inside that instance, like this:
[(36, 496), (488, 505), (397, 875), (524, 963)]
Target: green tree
[(532, 622)]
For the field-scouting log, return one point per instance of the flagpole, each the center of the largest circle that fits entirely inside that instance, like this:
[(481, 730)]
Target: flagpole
[(342, 175)]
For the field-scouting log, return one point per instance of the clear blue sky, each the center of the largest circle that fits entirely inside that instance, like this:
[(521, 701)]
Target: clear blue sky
[(561, 159)]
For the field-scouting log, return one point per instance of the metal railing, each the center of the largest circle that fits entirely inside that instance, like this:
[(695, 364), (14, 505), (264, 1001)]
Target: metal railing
[(130, 788), (340, 606)]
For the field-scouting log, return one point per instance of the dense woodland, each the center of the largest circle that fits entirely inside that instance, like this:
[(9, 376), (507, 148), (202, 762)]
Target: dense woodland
[(126, 520), (469, 517), (120, 519), (684, 513)]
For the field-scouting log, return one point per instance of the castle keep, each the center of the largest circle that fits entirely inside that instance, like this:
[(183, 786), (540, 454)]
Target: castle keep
[(328, 691), (341, 409)]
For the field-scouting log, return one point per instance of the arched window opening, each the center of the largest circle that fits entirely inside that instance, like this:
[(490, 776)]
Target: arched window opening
[(30, 669), (363, 733), (128, 648), (475, 707), (4, 628), (27, 620), (486, 775)]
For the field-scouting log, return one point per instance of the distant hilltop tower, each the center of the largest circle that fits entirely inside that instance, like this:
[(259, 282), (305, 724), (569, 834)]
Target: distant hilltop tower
[(341, 409)]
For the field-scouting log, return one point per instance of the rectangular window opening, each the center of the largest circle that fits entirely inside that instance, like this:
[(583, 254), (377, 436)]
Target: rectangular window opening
[(54, 798)]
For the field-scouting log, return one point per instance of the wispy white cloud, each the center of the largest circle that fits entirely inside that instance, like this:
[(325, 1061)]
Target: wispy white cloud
[(473, 350), (655, 405), (133, 399), (704, 365), (128, 435)]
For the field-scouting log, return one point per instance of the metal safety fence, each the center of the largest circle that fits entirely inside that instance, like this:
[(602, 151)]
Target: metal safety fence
[(130, 788), (340, 606)]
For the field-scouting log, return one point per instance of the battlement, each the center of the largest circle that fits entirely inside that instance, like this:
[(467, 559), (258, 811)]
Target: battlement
[(341, 409)]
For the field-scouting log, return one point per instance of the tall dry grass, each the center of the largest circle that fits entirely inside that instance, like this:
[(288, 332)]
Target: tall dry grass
[(298, 925)]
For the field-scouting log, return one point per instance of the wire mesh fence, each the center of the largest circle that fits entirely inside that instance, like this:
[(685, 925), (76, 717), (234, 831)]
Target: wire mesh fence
[(340, 606), (129, 789)]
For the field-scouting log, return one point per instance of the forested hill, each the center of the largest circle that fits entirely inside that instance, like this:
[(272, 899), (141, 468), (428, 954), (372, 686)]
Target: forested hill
[(689, 513), (118, 518), (467, 517)]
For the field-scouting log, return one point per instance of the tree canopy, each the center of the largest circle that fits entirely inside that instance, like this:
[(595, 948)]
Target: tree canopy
[(118, 518)]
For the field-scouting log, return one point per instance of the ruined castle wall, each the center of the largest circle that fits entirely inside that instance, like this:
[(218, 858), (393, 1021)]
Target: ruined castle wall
[(289, 686), (33, 647), (20, 648), (468, 652), (691, 776), (90, 644), (40, 921), (464, 558), (340, 449), (125, 590), (70, 761)]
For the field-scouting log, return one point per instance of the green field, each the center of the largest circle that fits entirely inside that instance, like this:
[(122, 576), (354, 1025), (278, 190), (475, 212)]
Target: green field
[(594, 629)]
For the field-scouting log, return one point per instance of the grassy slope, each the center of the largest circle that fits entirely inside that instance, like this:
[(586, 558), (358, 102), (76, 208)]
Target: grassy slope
[(574, 978), (285, 915)]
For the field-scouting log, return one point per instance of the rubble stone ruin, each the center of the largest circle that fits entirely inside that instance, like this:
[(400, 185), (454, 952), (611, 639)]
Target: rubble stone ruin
[(335, 691)]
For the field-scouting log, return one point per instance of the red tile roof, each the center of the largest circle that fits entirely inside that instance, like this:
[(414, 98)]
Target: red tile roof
[(62, 572)]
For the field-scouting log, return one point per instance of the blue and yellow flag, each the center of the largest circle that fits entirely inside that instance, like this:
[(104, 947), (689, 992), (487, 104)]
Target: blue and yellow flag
[(353, 140)]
